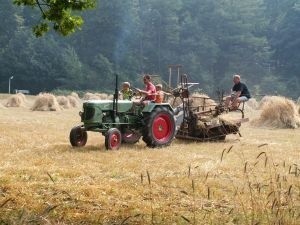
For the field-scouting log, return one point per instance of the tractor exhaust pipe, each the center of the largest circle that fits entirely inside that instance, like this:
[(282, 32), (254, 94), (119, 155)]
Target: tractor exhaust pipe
[(115, 100)]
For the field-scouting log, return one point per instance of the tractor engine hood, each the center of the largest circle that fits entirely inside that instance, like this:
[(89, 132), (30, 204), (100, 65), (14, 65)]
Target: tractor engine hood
[(107, 105)]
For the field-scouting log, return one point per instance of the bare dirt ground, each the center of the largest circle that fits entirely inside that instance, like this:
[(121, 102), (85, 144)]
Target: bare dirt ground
[(253, 179)]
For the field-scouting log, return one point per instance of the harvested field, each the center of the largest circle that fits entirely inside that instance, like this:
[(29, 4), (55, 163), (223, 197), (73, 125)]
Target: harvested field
[(253, 179)]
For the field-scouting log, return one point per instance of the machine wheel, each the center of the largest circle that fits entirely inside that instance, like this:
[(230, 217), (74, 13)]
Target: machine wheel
[(159, 127), (78, 136), (130, 137), (113, 139)]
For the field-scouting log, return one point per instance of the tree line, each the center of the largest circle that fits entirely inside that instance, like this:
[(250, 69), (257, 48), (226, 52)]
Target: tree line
[(211, 39)]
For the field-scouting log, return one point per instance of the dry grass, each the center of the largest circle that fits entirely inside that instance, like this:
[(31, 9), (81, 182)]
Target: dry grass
[(248, 180)]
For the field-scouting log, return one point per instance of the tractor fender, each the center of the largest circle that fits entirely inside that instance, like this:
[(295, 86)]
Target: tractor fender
[(151, 106)]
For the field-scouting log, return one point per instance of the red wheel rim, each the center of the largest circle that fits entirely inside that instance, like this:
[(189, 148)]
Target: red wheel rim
[(115, 141), (162, 127)]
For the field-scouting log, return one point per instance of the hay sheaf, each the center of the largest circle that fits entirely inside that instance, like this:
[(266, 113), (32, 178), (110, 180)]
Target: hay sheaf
[(46, 102), (74, 102), (102, 96), (252, 103), (110, 97), (90, 96), (298, 104), (278, 112), (16, 100), (75, 95), (63, 101), (22, 96), (97, 96), (264, 100)]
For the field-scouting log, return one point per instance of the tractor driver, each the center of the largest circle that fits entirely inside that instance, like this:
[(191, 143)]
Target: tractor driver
[(150, 90), (240, 93)]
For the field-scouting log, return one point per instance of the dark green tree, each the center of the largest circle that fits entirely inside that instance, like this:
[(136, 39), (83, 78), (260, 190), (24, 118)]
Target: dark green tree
[(283, 35)]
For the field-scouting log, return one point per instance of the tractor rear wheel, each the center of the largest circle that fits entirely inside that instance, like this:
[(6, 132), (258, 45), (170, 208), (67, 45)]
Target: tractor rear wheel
[(113, 139), (78, 136), (159, 127)]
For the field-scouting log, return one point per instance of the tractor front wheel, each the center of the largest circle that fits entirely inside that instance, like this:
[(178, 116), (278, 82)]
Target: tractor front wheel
[(113, 139), (159, 127), (78, 136)]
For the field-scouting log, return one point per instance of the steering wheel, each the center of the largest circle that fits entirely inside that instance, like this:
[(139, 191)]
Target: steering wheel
[(136, 94)]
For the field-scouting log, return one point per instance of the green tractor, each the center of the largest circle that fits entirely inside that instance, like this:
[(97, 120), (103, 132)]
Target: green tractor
[(123, 121)]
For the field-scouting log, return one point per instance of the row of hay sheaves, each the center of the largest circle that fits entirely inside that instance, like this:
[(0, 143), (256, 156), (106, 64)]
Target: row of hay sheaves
[(50, 102), (273, 111)]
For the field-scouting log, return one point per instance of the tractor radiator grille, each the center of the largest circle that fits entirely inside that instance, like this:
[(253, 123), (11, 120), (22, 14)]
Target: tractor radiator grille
[(89, 113)]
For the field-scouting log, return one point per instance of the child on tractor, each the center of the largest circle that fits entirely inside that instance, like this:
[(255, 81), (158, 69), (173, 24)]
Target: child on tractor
[(126, 92)]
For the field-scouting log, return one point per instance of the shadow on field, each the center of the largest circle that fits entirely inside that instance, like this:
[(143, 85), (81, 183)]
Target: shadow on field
[(87, 148), (230, 139)]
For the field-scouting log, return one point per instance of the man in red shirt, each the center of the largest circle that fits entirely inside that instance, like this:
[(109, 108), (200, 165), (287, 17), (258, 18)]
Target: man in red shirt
[(150, 90)]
